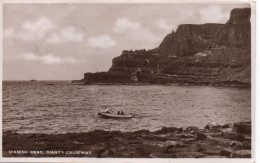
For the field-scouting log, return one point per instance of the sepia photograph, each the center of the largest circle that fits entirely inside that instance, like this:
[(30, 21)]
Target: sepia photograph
[(127, 80)]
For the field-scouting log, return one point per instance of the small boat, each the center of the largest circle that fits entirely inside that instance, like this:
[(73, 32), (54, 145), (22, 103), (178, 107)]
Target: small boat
[(113, 115), (33, 80)]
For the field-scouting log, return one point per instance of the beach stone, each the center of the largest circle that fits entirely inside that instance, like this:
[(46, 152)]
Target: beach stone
[(155, 137), (126, 154), (243, 127), (228, 125), (247, 138), (105, 153), (165, 130), (247, 145), (221, 141), (155, 143), (9, 132), (215, 156), (189, 155), (226, 129), (201, 136), (213, 126), (170, 143), (211, 148), (125, 151), (171, 136), (236, 144), (189, 140), (140, 132), (226, 152), (184, 148), (240, 137), (214, 134), (233, 136), (241, 154), (229, 135), (192, 129), (186, 136), (162, 155), (146, 149), (212, 152)]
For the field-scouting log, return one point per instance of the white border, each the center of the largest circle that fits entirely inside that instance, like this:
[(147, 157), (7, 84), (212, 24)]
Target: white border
[(254, 79)]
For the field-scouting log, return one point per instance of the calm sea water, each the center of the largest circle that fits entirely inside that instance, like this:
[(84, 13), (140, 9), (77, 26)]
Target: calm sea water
[(61, 107)]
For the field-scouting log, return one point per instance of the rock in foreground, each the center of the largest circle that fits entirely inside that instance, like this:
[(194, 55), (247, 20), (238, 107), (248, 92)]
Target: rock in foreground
[(211, 142)]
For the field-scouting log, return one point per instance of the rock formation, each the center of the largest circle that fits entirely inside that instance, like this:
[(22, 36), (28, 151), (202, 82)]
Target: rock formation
[(189, 39), (214, 141), (207, 54)]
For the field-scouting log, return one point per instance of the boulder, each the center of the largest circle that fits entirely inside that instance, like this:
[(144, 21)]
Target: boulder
[(243, 127), (165, 130), (215, 156), (173, 143), (226, 152), (189, 140), (248, 138), (233, 136), (192, 129), (105, 153), (147, 148), (214, 134), (189, 155), (228, 125), (186, 136), (201, 136), (162, 155), (213, 126), (240, 137), (241, 154), (236, 144), (212, 152), (247, 145)]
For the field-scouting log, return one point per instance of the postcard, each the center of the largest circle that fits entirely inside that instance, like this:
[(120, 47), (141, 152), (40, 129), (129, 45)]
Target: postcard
[(128, 81)]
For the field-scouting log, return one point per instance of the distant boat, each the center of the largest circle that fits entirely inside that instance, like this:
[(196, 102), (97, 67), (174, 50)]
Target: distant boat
[(33, 80)]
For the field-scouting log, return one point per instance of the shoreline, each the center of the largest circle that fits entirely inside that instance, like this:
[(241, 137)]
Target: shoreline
[(167, 84), (214, 141)]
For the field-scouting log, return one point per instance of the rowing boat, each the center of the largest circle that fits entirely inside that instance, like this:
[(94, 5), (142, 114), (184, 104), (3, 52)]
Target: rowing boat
[(112, 115)]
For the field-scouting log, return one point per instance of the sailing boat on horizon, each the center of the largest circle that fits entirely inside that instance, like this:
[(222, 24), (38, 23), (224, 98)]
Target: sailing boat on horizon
[(33, 80)]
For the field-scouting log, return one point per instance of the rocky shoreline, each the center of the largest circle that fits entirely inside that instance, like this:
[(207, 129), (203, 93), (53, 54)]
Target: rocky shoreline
[(224, 84), (214, 141)]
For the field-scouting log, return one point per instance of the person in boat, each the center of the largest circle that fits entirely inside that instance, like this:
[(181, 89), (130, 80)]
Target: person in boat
[(107, 111), (121, 112), (118, 112)]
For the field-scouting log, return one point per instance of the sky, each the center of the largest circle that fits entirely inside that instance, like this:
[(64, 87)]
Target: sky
[(63, 41)]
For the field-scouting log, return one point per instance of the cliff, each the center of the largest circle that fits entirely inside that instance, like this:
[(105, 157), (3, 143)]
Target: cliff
[(237, 31), (188, 39), (207, 54)]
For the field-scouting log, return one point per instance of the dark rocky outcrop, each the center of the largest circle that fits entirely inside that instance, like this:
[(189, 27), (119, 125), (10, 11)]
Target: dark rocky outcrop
[(207, 54), (243, 127), (169, 142)]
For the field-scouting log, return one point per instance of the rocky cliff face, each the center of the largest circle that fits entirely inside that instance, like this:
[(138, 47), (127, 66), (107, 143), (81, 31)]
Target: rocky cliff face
[(197, 54), (237, 31), (189, 39)]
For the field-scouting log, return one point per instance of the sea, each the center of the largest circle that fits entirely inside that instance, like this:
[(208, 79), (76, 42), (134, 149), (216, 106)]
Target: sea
[(62, 107)]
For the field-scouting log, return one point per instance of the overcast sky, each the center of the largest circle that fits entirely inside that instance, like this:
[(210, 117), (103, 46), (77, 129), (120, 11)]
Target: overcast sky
[(63, 41)]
